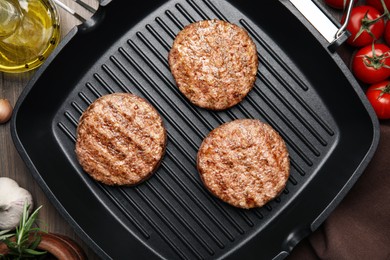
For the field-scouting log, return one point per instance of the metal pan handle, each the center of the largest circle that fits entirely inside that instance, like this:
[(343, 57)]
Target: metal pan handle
[(82, 4), (326, 27)]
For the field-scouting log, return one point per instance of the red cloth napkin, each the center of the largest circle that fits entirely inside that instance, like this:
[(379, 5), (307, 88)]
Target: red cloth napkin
[(359, 228)]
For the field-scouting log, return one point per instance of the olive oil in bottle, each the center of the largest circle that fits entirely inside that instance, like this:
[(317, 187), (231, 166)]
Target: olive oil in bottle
[(29, 31)]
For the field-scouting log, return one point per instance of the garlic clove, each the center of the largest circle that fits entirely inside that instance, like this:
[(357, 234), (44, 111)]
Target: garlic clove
[(5, 110), (12, 199)]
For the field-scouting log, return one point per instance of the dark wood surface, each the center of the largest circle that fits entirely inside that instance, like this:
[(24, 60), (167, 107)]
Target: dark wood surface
[(11, 165)]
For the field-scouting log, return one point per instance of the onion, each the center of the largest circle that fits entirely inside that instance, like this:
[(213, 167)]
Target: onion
[(5, 111)]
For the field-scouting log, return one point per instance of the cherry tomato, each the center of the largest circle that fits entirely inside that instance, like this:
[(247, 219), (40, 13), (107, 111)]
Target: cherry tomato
[(379, 97), (386, 35), (371, 64), (377, 4), (365, 25), (338, 4)]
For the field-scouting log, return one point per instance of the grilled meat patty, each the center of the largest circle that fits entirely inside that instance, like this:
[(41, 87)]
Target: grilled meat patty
[(214, 63), (244, 162), (120, 139)]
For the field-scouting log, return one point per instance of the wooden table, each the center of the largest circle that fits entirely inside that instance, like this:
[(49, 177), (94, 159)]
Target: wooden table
[(11, 165)]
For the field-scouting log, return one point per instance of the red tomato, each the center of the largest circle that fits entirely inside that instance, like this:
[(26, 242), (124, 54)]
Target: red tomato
[(338, 4), (365, 25), (371, 64), (377, 4), (379, 97), (386, 35)]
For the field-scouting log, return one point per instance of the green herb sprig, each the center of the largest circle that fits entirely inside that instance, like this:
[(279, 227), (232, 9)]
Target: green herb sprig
[(23, 242)]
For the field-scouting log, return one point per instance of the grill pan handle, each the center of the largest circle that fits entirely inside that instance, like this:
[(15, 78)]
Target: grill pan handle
[(82, 4), (325, 26)]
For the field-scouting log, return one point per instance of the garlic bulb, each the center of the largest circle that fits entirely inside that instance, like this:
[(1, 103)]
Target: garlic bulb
[(12, 199)]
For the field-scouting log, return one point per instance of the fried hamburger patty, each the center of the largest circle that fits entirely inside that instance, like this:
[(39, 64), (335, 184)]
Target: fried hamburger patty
[(120, 139), (214, 63), (244, 162)]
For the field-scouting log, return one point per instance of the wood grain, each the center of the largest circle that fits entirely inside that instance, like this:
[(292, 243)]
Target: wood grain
[(12, 166)]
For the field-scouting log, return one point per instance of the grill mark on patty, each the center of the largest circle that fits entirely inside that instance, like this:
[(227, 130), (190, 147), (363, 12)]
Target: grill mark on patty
[(104, 141), (122, 136), (107, 155), (130, 119), (244, 162), (98, 154), (214, 63), (111, 144), (114, 150), (100, 159)]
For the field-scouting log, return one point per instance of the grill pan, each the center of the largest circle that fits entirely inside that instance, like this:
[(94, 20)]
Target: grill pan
[(302, 89)]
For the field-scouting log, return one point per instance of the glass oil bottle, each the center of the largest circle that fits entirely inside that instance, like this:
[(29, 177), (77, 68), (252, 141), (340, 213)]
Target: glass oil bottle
[(29, 31)]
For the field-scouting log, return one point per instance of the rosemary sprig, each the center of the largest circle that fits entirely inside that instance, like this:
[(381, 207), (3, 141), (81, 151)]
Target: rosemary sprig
[(22, 243)]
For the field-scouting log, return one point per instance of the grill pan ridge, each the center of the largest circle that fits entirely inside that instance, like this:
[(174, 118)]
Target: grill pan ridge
[(172, 215)]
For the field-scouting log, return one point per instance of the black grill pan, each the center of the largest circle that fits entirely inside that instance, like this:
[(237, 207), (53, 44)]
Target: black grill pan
[(303, 90)]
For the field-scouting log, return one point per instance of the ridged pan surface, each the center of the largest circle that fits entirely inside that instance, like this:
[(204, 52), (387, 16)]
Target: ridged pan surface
[(329, 135)]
